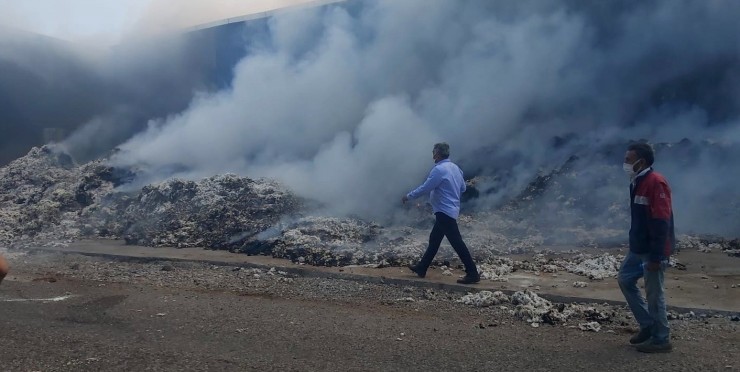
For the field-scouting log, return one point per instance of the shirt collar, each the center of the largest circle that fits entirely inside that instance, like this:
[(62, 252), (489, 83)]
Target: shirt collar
[(644, 172), (442, 161)]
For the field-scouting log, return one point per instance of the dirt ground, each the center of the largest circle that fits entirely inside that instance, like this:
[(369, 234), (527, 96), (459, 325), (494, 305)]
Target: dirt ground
[(67, 312), (706, 283)]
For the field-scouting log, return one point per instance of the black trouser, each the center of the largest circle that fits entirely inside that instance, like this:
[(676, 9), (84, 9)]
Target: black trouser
[(447, 226)]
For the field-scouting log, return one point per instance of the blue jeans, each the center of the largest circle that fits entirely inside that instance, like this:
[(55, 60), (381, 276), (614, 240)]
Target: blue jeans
[(651, 315)]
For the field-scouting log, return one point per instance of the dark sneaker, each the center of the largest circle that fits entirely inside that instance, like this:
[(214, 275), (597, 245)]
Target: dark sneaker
[(469, 279), (417, 271), (651, 347), (640, 337)]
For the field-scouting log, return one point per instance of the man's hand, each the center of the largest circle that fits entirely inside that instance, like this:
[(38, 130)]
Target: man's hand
[(654, 266), (404, 199)]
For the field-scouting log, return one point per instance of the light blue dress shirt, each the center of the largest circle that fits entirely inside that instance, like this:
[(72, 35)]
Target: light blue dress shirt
[(445, 184)]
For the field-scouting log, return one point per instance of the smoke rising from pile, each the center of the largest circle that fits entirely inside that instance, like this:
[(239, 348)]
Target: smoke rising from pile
[(343, 103)]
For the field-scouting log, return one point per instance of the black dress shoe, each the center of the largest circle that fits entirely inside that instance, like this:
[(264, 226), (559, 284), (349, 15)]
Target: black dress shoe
[(417, 270), (641, 337), (651, 347), (469, 279)]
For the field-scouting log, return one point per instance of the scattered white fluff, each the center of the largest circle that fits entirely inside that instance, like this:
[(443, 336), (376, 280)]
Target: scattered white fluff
[(590, 326), (706, 245), (484, 298), (595, 268), (498, 270), (529, 306), (551, 269)]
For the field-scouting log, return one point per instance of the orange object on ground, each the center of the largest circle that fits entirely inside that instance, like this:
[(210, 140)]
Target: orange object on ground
[(3, 268)]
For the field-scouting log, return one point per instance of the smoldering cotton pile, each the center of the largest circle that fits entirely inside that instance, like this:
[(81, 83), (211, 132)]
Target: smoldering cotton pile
[(708, 244), (539, 264), (595, 268), (525, 244), (332, 241), (530, 307), (590, 326), (446, 271), (484, 299), (46, 199), (497, 233), (496, 271), (43, 195), (562, 313), (321, 241), (555, 203), (217, 212), (552, 202), (687, 242), (533, 309), (673, 315)]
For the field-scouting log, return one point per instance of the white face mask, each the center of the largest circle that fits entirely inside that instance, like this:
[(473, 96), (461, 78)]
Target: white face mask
[(630, 169)]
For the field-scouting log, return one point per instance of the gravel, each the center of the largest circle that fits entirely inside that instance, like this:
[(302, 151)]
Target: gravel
[(525, 307)]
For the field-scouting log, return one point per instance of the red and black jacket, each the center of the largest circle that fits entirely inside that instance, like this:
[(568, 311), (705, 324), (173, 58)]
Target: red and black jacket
[(652, 231)]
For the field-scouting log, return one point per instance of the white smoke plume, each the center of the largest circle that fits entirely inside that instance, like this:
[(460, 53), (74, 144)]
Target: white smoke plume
[(344, 102)]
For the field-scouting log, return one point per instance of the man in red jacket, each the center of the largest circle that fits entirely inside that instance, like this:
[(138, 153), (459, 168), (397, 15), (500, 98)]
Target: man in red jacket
[(652, 241)]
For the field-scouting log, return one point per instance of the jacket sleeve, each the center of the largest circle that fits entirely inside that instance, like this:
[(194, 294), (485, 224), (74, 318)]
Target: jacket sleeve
[(659, 220), (434, 179)]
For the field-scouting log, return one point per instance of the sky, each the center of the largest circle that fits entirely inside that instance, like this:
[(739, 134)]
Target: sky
[(109, 21)]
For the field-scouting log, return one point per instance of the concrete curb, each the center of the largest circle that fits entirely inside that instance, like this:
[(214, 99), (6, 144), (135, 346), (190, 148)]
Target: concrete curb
[(309, 272)]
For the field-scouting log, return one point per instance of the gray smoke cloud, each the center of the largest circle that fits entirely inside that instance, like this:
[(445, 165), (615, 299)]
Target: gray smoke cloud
[(109, 82), (344, 102), (49, 84)]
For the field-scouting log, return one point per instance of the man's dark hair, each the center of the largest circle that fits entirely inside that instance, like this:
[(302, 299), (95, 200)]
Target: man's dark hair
[(643, 151), (442, 149)]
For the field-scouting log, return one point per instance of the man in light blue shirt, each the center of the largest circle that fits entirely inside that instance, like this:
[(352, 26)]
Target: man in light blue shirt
[(445, 185)]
